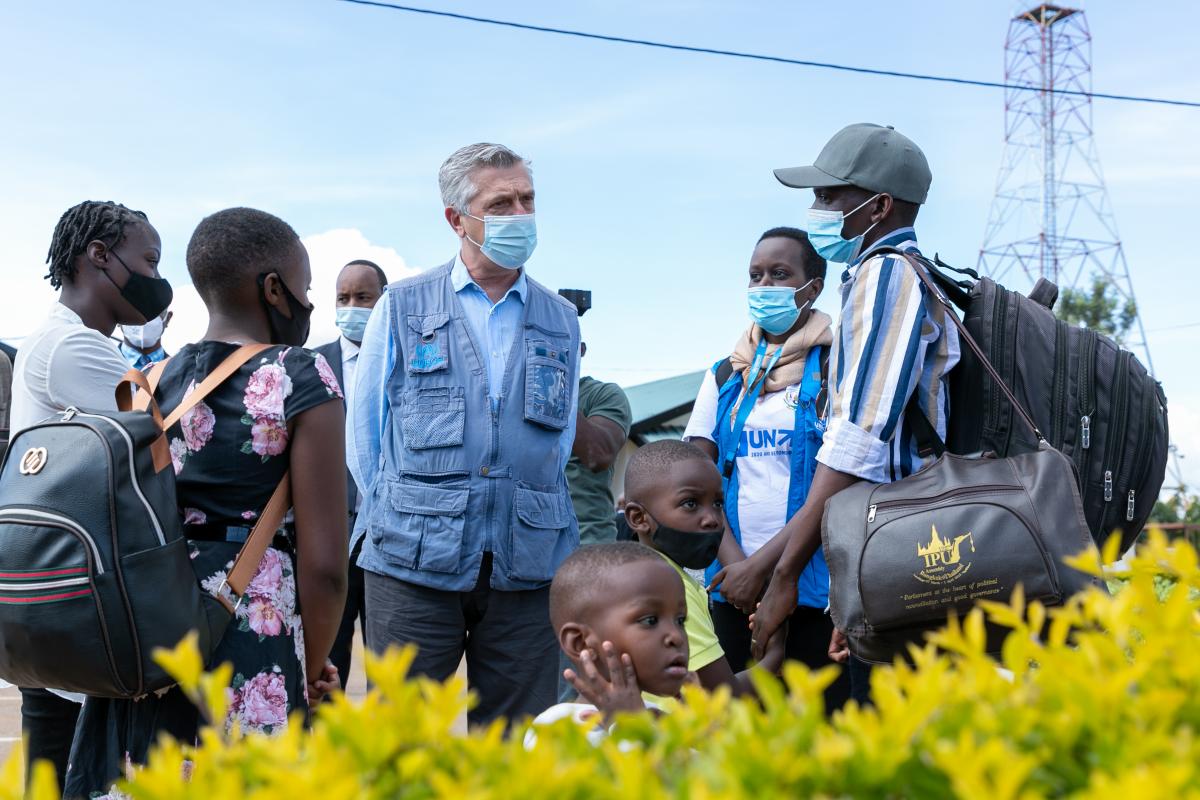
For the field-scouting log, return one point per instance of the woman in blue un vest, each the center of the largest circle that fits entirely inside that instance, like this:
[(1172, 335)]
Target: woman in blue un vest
[(760, 414)]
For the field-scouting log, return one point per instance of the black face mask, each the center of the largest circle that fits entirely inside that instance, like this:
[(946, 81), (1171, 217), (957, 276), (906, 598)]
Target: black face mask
[(148, 296), (292, 331), (694, 550)]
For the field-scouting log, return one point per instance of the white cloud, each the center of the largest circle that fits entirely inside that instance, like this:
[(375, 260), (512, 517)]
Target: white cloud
[(327, 252)]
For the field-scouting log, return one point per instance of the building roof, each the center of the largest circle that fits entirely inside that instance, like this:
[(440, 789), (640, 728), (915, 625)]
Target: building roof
[(661, 401)]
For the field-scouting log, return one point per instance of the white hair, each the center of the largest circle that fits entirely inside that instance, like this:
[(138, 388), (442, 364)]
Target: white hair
[(454, 177)]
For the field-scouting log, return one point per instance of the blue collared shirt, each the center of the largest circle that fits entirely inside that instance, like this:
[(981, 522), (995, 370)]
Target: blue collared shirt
[(139, 360), (891, 341), (494, 328)]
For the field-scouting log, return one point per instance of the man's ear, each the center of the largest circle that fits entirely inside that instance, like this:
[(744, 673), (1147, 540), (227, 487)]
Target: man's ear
[(455, 219), (882, 207), (572, 638), (167, 319), (637, 517)]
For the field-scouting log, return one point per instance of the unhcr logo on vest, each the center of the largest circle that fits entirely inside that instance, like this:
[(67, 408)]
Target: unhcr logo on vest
[(767, 442), (942, 558)]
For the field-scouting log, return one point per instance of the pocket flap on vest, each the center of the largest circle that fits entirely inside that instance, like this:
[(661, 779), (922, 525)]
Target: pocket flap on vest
[(429, 500), (540, 509)]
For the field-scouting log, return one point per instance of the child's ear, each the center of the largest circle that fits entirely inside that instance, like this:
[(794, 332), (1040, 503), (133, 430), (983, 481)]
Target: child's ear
[(639, 521), (572, 638)]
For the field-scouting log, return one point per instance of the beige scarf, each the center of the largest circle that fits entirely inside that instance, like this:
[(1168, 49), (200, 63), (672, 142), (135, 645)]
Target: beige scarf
[(789, 369)]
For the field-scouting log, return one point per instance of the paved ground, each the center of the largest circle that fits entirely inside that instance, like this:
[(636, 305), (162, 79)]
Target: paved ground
[(10, 703)]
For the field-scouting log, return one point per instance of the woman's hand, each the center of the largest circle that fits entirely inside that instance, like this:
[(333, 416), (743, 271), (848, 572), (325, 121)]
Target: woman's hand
[(741, 583), (777, 605), (619, 693), (326, 682)]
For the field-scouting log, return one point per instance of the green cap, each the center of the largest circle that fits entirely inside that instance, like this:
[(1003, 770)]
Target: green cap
[(870, 157)]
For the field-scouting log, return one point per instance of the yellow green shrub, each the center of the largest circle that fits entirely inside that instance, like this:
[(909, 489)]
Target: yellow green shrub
[(1103, 701)]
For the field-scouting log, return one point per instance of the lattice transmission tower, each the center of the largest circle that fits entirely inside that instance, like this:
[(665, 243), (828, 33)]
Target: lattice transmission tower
[(1051, 216)]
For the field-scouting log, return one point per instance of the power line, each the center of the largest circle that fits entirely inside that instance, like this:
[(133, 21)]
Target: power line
[(761, 57)]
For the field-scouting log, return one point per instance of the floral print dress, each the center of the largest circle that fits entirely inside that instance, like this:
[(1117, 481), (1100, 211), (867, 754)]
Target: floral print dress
[(229, 453)]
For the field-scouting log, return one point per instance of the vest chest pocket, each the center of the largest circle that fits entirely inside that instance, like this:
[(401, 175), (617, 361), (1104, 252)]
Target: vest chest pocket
[(539, 519), (547, 384), (433, 417), (427, 343)]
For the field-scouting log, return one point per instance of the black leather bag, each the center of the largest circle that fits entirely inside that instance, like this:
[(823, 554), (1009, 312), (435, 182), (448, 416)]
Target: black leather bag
[(903, 556), (94, 568)]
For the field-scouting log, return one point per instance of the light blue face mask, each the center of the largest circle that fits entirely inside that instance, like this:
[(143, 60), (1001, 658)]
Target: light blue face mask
[(507, 241), (774, 309), (352, 322), (825, 234)]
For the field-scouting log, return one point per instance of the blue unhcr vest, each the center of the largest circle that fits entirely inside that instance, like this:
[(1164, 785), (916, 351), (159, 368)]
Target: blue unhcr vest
[(464, 474), (813, 586)]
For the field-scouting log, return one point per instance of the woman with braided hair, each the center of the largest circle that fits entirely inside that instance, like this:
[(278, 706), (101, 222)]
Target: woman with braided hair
[(104, 260)]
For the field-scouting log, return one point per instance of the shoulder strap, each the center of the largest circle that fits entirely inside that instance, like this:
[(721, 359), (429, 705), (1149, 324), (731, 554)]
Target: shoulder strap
[(919, 266), (232, 363), (250, 556), (722, 370)]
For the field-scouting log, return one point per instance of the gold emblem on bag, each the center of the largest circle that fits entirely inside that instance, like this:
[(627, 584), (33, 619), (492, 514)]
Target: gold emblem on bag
[(33, 461), (942, 558)]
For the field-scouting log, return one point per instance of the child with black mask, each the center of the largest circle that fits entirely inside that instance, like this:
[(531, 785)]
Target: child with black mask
[(674, 505)]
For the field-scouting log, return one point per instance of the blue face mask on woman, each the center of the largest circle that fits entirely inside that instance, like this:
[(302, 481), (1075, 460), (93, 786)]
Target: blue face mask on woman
[(507, 241), (774, 309), (825, 234)]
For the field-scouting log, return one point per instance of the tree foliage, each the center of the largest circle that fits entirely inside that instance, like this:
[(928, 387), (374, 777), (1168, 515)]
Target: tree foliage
[(1101, 308)]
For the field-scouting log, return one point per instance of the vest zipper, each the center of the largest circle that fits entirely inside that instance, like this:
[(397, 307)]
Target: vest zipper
[(966, 491)]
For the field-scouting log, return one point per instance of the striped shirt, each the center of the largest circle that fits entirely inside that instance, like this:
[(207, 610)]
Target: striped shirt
[(892, 340)]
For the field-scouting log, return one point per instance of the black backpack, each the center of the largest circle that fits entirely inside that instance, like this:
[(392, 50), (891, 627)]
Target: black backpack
[(1093, 401), (94, 568)]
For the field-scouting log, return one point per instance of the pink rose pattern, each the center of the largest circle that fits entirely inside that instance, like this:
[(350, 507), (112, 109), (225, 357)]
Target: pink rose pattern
[(197, 423), (194, 516), (266, 393), (267, 612), (197, 426), (260, 703), (327, 377)]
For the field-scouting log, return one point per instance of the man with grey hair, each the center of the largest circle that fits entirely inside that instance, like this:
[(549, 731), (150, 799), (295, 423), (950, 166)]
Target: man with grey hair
[(461, 423)]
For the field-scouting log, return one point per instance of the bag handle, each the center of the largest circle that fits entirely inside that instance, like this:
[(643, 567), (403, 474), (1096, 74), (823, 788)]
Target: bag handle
[(919, 267), (250, 556), (160, 451)]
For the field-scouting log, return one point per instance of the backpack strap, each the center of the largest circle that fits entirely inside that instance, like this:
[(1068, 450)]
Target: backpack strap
[(919, 266), (250, 556), (722, 370)]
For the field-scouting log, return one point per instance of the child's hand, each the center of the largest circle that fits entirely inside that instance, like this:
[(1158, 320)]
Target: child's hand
[(328, 681), (619, 693)]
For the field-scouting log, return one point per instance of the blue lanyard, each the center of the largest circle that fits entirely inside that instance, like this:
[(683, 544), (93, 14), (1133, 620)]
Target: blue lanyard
[(750, 392)]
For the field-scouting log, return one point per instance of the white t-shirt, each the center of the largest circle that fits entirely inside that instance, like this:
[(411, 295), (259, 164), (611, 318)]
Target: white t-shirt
[(582, 714), (64, 363), (764, 460)]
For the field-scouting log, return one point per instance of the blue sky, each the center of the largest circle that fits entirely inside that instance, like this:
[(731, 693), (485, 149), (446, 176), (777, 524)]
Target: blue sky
[(653, 168)]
